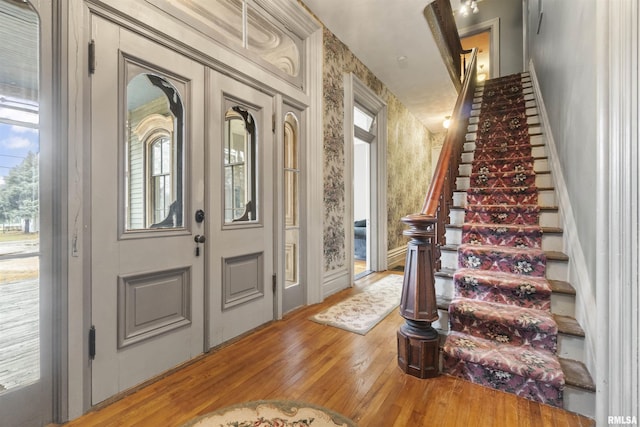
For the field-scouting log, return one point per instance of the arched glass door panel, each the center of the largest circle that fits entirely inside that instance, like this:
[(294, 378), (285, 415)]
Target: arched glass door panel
[(154, 154), (240, 195)]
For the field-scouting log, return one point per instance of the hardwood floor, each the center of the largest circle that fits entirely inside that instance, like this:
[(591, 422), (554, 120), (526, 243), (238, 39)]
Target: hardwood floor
[(355, 375)]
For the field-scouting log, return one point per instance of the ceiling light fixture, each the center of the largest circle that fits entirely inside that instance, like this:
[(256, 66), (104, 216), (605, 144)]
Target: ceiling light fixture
[(467, 6), (447, 122)]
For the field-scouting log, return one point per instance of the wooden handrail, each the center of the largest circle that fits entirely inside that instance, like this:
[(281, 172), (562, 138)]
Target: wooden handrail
[(454, 140), (418, 342)]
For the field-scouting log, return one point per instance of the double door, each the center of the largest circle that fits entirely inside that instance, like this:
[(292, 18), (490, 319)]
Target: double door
[(182, 211)]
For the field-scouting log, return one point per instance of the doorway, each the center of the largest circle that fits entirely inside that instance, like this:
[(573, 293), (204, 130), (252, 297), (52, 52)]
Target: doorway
[(364, 138), (486, 37), (366, 116)]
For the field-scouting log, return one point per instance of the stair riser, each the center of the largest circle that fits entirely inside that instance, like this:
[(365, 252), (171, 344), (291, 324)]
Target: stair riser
[(571, 347), (556, 270), (579, 401), (539, 165), (547, 218), (543, 180), (550, 242), (444, 288), (442, 324), (564, 304), (545, 198)]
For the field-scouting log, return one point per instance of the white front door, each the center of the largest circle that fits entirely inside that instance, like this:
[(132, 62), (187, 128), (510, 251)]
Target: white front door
[(241, 209), (147, 168)]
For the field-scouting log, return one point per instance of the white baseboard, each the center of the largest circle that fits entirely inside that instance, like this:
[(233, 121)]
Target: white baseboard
[(578, 276), (335, 281), (396, 257)]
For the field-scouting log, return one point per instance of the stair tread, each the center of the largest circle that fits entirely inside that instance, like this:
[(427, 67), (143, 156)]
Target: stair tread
[(534, 172), (557, 286), (513, 354), (562, 287), (473, 151), (568, 325), (533, 157), (542, 208), (548, 230), (445, 272), (552, 255), (501, 188), (577, 374), (494, 310)]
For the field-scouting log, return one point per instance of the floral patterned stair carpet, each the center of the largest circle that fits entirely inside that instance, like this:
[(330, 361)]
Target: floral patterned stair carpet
[(502, 333)]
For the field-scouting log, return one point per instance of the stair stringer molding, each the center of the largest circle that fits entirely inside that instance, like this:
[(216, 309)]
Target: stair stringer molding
[(578, 272)]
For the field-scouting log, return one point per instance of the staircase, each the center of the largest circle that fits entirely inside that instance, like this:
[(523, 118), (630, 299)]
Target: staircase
[(504, 301)]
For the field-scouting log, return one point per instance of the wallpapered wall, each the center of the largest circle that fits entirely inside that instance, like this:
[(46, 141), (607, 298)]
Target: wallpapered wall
[(408, 153)]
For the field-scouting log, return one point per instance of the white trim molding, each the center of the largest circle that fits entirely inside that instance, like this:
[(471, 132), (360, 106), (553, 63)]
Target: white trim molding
[(396, 257), (314, 164), (493, 26), (336, 281), (617, 295)]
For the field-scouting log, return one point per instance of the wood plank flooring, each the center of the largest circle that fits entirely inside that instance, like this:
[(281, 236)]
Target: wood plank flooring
[(357, 376)]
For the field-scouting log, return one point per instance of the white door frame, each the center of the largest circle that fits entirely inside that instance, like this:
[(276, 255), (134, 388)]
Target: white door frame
[(355, 91), (493, 26)]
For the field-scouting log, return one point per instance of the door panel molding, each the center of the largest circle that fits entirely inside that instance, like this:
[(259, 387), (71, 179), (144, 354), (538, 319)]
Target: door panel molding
[(151, 304), (241, 279)]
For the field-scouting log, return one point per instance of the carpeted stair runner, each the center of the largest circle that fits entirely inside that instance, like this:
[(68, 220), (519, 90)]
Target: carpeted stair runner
[(502, 333)]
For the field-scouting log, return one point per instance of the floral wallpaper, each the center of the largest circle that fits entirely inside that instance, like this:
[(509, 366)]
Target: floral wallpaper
[(408, 154)]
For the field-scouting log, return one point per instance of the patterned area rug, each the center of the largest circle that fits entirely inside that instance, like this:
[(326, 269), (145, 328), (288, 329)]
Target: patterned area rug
[(502, 333), (272, 413), (361, 312)]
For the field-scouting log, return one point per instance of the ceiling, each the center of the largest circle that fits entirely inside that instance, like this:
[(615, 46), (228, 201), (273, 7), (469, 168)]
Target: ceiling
[(393, 39)]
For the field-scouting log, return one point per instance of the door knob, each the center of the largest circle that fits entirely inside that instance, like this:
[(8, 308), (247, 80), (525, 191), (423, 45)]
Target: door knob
[(199, 238)]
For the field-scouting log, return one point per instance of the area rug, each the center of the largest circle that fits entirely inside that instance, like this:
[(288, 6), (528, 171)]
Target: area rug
[(272, 413), (364, 310)]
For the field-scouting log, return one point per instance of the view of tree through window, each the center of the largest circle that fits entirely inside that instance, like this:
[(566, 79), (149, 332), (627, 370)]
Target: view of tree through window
[(19, 196)]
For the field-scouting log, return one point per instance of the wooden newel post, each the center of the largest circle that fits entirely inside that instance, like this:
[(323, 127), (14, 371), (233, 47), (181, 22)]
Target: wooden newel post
[(418, 343)]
